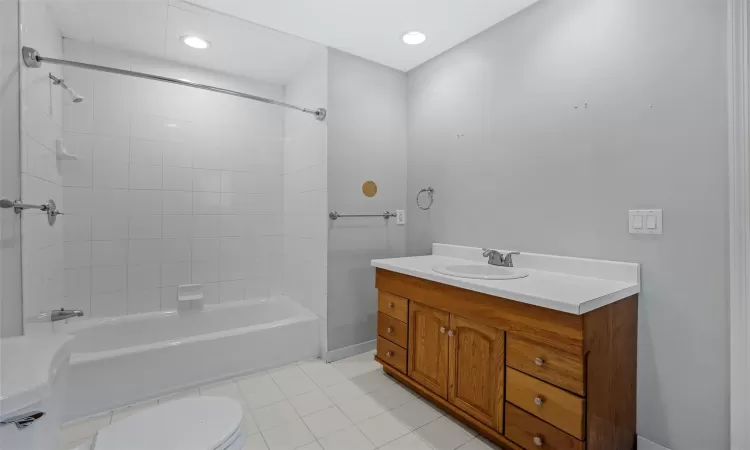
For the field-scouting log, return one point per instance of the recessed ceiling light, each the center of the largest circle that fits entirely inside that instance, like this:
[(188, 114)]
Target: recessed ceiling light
[(195, 42), (414, 38)]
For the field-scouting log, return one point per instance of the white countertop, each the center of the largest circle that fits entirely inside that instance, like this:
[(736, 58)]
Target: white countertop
[(571, 285), (27, 365)]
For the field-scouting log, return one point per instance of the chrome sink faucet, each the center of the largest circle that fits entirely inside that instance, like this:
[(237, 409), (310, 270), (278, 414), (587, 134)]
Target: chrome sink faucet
[(63, 314), (496, 258)]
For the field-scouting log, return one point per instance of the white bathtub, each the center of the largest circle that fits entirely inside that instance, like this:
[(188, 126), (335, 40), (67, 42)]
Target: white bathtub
[(123, 360)]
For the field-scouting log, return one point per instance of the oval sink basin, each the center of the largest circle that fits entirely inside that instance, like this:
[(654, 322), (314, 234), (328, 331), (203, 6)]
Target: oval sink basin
[(481, 271)]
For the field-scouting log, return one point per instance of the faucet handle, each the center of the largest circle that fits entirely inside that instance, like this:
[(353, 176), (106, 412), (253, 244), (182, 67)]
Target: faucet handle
[(508, 258), (487, 252)]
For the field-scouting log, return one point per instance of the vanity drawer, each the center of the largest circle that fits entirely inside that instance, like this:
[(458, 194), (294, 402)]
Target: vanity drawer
[(551, 404), (394, 306), (547, 363), (392, 354), (533, 434), (393, 330)]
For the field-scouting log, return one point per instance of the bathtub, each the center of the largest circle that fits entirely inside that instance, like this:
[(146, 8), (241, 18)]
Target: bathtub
[(119, 361)]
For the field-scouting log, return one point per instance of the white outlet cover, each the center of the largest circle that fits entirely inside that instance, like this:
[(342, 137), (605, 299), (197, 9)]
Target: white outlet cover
[(644, 218)]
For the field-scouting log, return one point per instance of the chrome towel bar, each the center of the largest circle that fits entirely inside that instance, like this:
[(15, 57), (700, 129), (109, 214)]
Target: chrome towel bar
[(386, 215)]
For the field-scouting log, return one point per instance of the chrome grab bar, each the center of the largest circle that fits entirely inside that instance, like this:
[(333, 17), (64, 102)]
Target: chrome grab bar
[(50, 208), (386, 215)]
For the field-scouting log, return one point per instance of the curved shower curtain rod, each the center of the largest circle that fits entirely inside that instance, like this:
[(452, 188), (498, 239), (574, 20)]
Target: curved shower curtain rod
[(33, 59)]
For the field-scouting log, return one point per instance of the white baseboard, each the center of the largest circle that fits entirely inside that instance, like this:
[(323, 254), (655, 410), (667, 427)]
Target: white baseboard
[(341, 353), (645, 444)]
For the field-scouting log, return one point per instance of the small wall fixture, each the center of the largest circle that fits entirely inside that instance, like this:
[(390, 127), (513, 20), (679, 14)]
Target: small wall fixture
[(195, 42), (414, 38)]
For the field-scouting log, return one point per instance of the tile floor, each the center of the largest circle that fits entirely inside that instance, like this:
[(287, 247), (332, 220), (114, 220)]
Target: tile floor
[(348, 405)]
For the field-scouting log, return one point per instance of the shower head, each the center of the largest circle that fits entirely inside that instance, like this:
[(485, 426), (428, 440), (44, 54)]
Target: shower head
[(74, 96)]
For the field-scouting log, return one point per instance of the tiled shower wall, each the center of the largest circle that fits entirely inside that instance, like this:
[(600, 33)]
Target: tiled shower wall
[(41, 123), (173, 186), (306, 192)]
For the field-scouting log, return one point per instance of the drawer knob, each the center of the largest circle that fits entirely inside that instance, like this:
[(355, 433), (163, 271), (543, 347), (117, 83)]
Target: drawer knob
[(389, 354), (390, 305), (538, 441), (451, 333), (442, 330), (539, 401), (389, 330), (539, 361)]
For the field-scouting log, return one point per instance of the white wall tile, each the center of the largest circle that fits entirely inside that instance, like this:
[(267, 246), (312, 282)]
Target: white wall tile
[(112, 175), (143, 251), (108, 304), (207, 203), (158, 182), (145, 177), (175, 273), (144, 276), (109, 227), (143, 300), (207, 180), (177, 154), (231, 291), (109, 253), (204, 250), (177, 202), (78, 289), (177, 178), (205, 271), (210, 293), (205, 226), (109, 279), (146, 152), (111, 149), (175, 250), (77, 254), (178, 226), (145, 227), (76, 228), (145, 202)]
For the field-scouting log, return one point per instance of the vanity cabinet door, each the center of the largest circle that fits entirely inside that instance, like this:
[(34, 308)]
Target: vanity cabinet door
[(428, 347), (476, 370)]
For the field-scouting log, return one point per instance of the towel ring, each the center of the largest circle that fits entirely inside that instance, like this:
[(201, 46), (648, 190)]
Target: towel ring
[(430, 191)]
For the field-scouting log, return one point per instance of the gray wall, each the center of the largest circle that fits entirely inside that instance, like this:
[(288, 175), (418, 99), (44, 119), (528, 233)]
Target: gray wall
[(366, 141), (531, 172), (10, 172)]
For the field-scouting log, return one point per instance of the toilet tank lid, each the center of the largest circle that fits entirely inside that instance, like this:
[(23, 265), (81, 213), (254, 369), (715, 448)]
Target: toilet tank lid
[(200, 423), (27, 368)]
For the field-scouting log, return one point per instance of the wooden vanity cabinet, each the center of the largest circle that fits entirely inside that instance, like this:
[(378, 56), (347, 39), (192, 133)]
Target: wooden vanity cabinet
[(523, 376)]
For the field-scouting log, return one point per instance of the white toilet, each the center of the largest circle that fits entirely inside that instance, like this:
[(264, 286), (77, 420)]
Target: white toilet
[(200, 423), (33, 378)]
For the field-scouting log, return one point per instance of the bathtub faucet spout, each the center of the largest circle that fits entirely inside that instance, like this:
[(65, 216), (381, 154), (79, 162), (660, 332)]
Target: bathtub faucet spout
[(62, 314)]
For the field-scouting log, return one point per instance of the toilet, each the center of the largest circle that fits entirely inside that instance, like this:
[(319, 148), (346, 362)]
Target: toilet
[(200, 423)]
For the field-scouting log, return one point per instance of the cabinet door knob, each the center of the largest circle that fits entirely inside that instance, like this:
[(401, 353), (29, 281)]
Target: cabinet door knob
[(442, 330), (539, 401), (389, 354), (390, 304), (539, 361), (389, 330), (451, 333), (538, 441)]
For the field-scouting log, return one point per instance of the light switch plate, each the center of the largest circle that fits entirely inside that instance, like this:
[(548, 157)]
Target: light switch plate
[(400, 217), (645, 221)]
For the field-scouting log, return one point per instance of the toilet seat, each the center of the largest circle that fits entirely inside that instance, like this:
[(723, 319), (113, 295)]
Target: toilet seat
[(201, 423)]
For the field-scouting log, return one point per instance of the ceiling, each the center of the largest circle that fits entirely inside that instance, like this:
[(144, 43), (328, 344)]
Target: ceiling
[(244, 35), (154, 28), (373, 29)]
